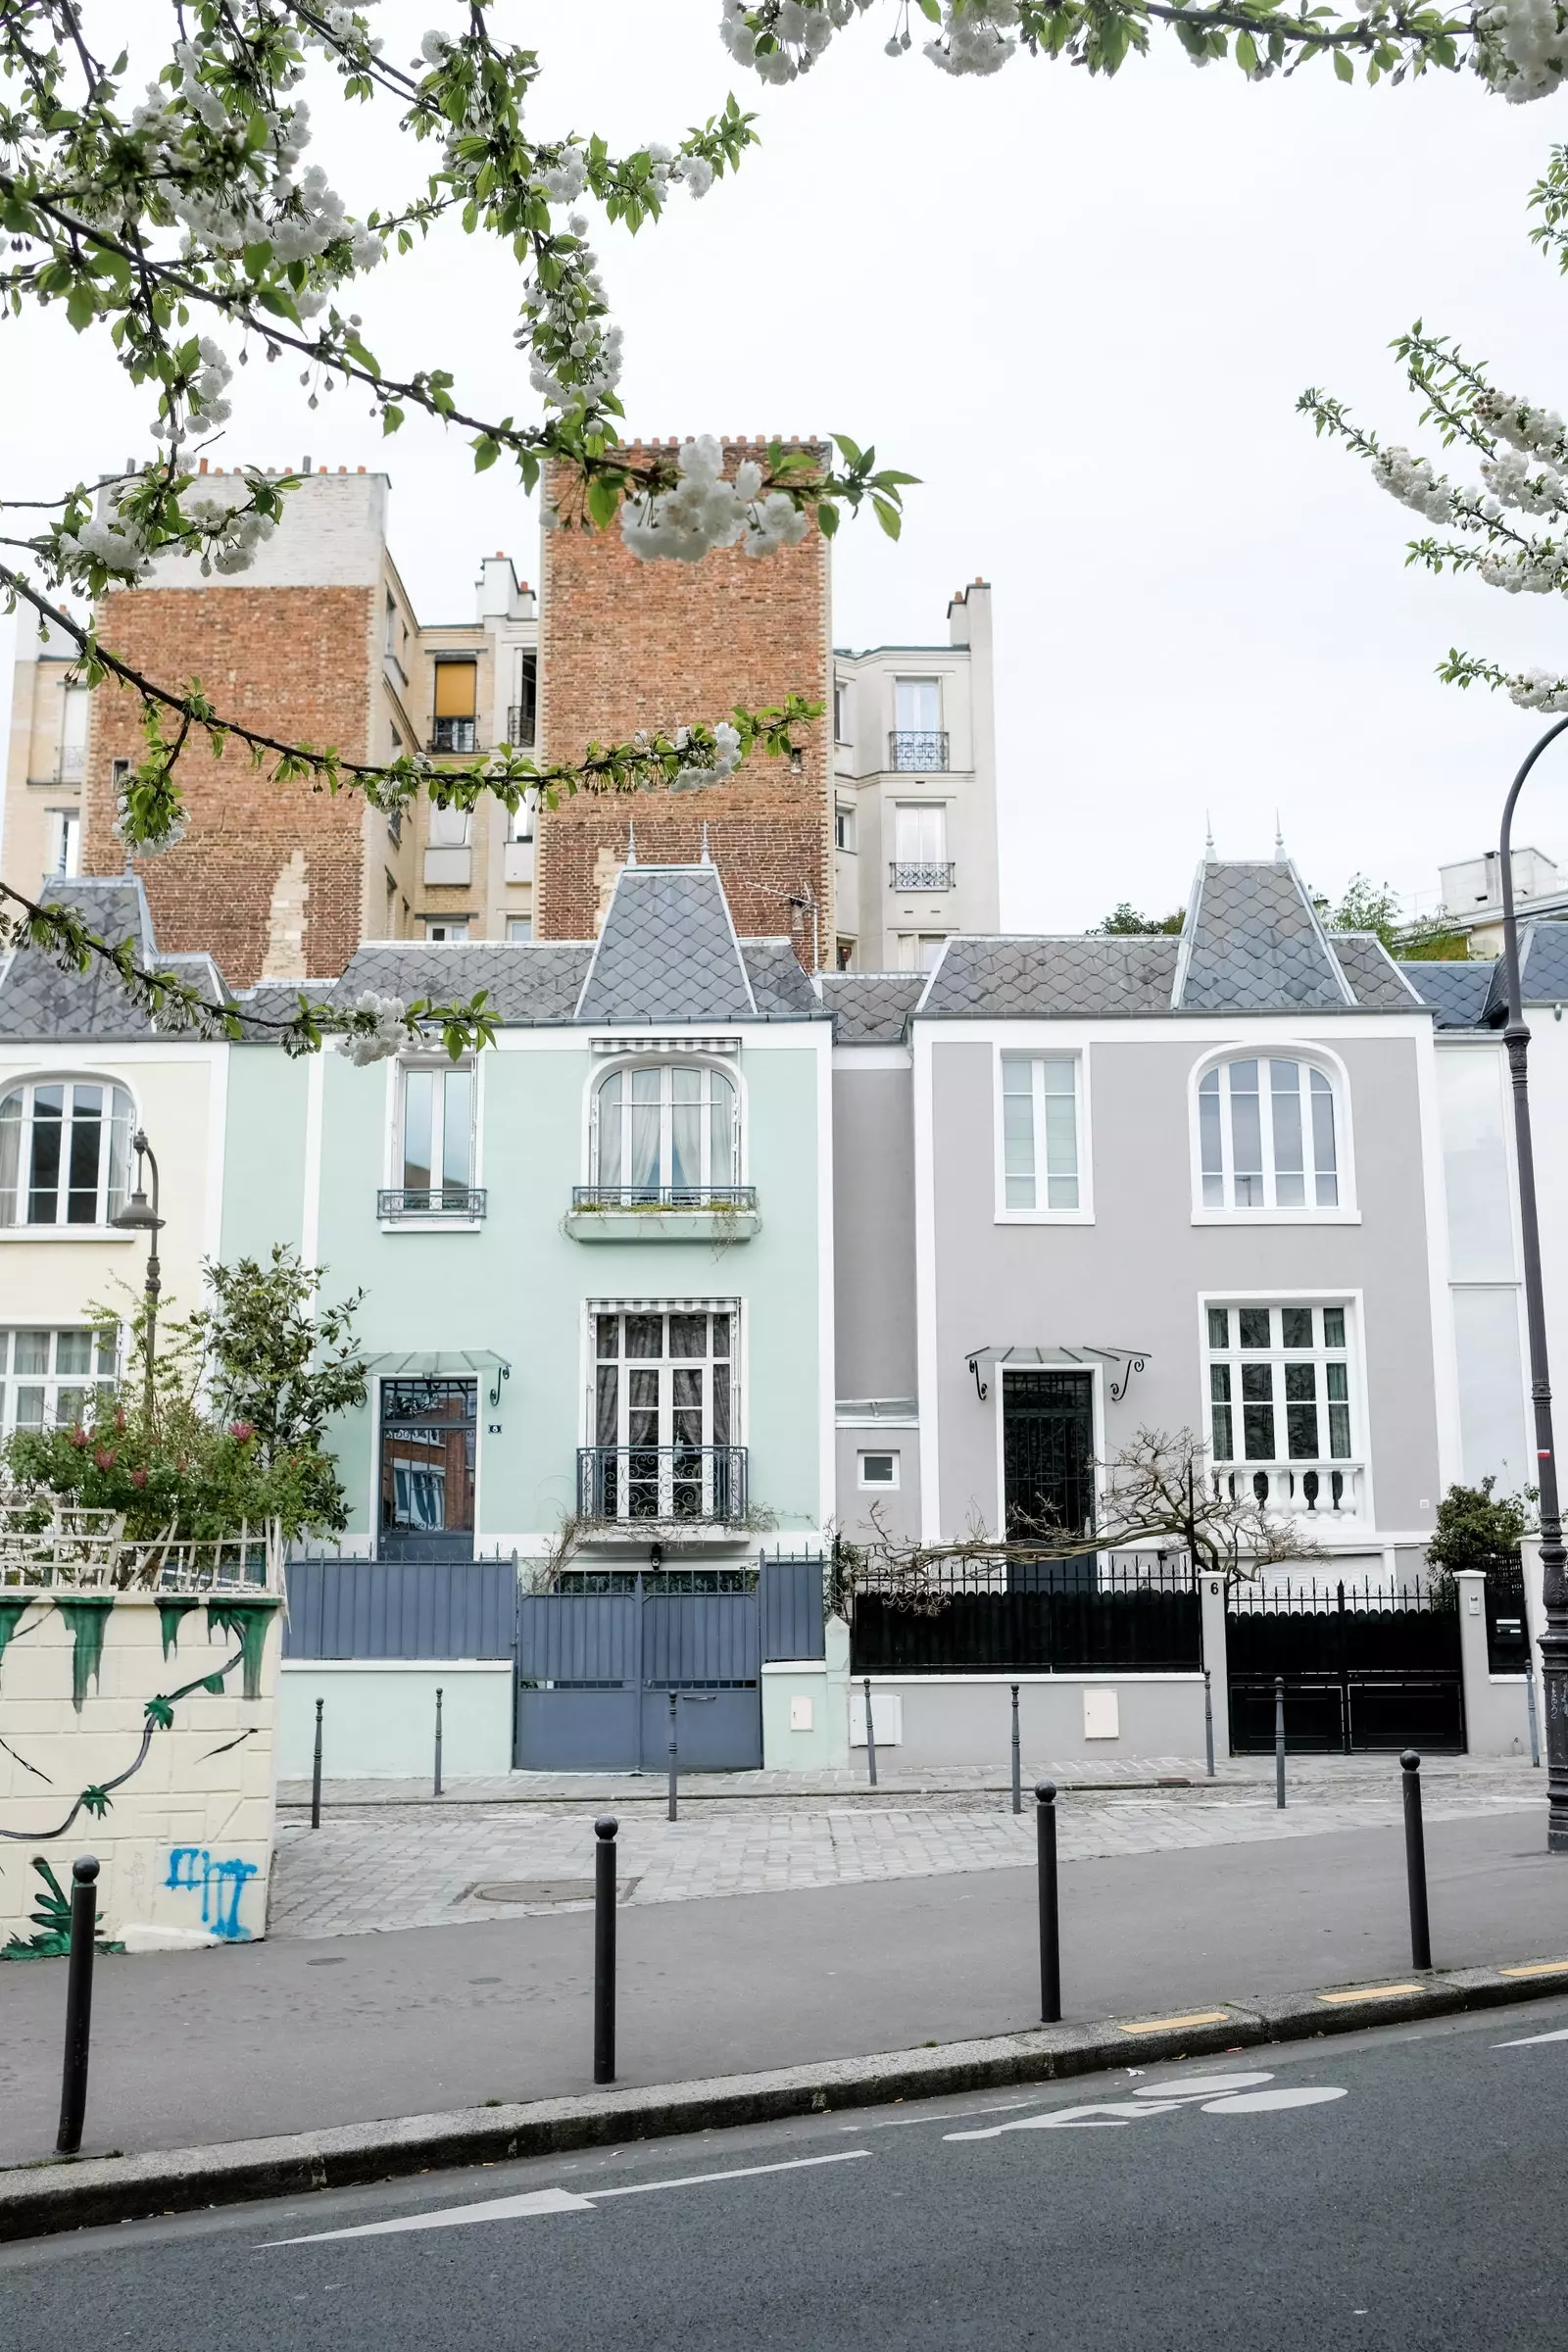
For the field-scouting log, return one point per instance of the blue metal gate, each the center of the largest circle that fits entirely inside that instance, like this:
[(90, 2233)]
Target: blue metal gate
[(594, 1671)]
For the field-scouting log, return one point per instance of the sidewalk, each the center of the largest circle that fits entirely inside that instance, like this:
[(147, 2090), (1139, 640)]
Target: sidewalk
[(296, 2034)]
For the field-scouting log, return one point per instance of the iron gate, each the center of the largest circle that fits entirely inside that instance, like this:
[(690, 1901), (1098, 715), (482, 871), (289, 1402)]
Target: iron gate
[(596, 1668), (1363, 1668)]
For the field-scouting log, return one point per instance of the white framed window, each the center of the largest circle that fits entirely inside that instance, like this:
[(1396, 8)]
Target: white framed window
[(916, 706), (843, 707), (664, 1413), (65, 1152), (451, 828), (451, 928), (454, 724), (524, 818), (435, 1139), (671, 1129), (53, 1378), (843, 955), (65, 845), (1272, 1138), (520, 927), (73, 707), (920, 833), (1280, 1401), (844, 826), (877, 1469), (1040, 1140), (920, 951)]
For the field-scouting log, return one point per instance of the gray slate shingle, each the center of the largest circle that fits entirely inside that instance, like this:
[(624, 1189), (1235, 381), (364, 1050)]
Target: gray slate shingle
[(668, 952), (871, 1008), (1543, 964), (1378, 982), (1256, 945), (1457, 993), (531, 983), (779, 983), (997, 979), (39, 999)]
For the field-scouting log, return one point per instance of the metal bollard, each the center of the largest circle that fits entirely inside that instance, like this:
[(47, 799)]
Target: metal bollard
[(1279, 1742), (78, 2003), (316, 1771), (1050, 1926), (1530, 1709), (1209, 1724), (1415, 1861), (604, 1829), (438, 1739), (871, 1734), (1017, 1757), (675, 1759)]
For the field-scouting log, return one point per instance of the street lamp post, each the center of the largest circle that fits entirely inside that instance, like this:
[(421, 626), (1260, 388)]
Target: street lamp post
[(1555, 1641), (140, 1217)]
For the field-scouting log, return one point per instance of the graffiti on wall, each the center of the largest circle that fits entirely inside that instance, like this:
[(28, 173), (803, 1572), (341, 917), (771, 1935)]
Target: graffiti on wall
[(221, 1882)]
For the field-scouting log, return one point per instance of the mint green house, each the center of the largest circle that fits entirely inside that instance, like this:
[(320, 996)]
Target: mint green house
[(595, 1258)]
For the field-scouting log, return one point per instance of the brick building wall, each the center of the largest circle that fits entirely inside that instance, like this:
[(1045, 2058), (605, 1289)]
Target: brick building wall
[(269, 879), (627, 644)]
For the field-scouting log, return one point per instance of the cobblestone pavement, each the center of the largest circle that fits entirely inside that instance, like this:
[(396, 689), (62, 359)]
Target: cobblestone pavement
[(386, 1865)]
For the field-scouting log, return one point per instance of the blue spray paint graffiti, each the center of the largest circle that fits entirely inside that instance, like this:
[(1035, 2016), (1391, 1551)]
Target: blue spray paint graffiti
[(221, 1885)]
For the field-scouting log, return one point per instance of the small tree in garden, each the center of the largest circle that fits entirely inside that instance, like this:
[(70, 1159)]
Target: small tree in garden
[(1479, 1528), (246, 1388)]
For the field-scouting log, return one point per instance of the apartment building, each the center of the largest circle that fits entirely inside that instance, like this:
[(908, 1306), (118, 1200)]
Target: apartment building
[(318, 642), (914, 794)]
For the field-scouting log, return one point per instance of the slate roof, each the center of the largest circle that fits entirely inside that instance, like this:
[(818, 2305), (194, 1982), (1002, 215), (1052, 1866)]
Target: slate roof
[(1378, 983), (1459, 994), (782, 987), (531, 983), (668, 952), (1254, 943), (871, 1008), (1543, 964), (37, 999), (998, 979)]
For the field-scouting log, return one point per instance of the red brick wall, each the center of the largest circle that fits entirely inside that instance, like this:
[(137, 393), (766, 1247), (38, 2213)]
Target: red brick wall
[(627, 644), (293, 663)]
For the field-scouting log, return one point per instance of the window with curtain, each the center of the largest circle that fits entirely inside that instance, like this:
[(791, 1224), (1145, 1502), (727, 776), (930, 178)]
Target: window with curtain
[(65, 1152), (437, 1136), (456, 687), (1267, 1136), (664, 1411), (920, 834), (916, 704), (449, 827), (1040, 1131), (669, 1131)]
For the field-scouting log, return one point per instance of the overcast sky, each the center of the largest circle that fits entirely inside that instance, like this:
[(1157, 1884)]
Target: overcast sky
[(1080, 312)]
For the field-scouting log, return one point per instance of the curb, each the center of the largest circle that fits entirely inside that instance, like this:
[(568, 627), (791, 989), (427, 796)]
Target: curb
[(41, 2199)]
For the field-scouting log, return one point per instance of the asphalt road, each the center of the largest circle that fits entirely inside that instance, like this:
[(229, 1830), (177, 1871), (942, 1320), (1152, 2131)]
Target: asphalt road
[(1393, 2191), (192, 2048)]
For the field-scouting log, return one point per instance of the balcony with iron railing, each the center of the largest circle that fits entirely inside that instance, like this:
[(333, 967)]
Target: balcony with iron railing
[(662, 1212), (430, 1205), (921, 873), (689, 1486), (917, 751), (454, 735)]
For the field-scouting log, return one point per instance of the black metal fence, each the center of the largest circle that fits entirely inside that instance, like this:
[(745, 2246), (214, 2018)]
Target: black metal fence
[(1138, 1613), (1364, 1667)]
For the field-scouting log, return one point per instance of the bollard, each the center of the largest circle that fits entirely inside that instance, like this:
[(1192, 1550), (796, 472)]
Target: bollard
[(438, 1739), (604, 1829), (1415, 1861), (78, 2004), (1017, 1757), (1209, 1724), (675, 1760), (1279, 1742), (1530, 1710), (871, 1734), (316, 1771), (1050, 1936)]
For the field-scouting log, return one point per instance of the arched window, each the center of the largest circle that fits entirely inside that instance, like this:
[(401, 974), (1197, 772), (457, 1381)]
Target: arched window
[(65, 1150), (1267, 1136), (666, 1132)]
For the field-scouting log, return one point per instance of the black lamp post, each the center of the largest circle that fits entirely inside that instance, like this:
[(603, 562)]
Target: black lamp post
[(139, 1217), (1555, 1641)]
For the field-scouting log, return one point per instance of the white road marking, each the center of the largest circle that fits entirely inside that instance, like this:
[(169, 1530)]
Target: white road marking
[(553, 2200), (1269, 2102), (1108, 2114), (1215, 2094), (1528, 2042), (1202, 2086)]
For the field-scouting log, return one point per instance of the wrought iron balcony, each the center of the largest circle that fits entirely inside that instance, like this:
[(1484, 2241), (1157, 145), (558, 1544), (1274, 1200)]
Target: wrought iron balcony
[(463, 1202), (917, 751), (663, 1196), (692, 1485), (454, 735), (519, 724), (927, 875)]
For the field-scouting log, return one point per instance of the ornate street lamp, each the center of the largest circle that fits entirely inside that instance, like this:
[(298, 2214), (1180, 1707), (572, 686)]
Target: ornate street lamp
[(137, 1216), (1555, 1641)]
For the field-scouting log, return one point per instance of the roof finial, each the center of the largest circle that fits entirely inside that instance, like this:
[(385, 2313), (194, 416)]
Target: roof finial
[(1279, 841), (1208, 836), (631, 843), (704, 858)]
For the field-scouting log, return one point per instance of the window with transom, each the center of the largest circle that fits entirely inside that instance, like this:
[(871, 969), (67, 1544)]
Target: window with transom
[(65, 1152), (663, 1407), (1269, 1136), (1279, 1384), (668, 1132)]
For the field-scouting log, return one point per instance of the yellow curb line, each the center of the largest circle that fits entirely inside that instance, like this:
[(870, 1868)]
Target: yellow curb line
[(1538, 1968), (1370, 1992), (1194, 2017)]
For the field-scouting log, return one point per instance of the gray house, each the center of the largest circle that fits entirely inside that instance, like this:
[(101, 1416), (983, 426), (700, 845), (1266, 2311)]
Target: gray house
[(1090, 1186)]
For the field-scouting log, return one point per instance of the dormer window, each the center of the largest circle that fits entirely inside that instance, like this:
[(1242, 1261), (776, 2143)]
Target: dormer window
[(1269, 1136)]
